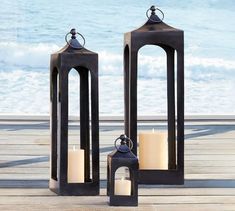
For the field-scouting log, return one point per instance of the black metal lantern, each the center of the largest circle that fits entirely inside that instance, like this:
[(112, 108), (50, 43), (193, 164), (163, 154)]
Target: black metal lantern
[(122, 192), (171, 40), (74, 172)]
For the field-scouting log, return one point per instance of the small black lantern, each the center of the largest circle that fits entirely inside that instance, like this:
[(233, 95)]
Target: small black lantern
[(171, 40), (71, 173), (122, 192)]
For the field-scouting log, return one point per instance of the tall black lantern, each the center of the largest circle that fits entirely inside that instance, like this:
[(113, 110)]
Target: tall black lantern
[(171, 40), (71, 173), (122, 192)]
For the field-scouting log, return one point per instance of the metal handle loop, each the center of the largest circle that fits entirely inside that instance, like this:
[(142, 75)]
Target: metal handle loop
[(84, 41), (152, 19), (130, 144)]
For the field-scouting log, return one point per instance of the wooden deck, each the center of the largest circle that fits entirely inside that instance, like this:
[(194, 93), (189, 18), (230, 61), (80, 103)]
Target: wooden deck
[(209, 169)]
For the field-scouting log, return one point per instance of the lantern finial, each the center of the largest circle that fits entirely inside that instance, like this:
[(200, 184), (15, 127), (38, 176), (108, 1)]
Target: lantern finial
[(73, 42), (153, 8), (126, 144), (73, 32), (153, 18)]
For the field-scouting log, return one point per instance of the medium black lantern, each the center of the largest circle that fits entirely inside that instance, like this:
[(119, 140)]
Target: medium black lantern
[(171, 40), (122, 192), (74, 172)]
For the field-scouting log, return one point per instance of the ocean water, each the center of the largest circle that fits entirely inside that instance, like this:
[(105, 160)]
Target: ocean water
[(31, 30)]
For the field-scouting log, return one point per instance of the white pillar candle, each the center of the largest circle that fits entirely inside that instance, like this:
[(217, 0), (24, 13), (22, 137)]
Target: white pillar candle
[(122, 187), (153, 150), (76, 165)]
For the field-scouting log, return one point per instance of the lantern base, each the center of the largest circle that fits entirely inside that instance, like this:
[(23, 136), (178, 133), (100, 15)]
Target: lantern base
[(161, 177), (116, 200), (74, 189)]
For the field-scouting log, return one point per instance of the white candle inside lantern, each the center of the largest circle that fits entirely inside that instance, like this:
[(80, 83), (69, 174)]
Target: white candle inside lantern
[(122, 187), (76, 165), (153, 150)]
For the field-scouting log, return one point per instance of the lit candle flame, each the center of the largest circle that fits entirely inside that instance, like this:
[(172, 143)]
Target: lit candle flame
[(122, 178), (74, 148), (153, 130)]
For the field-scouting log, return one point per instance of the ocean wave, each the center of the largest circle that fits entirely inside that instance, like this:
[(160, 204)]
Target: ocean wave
[(18, 55), (28, 92), (37, 56)]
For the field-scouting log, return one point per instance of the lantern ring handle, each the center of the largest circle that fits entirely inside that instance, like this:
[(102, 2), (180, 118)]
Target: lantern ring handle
[(129, 140), (152, 19), (84, 41)]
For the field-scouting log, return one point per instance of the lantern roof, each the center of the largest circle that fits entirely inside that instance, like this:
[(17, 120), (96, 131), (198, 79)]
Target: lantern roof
[(123, 151), (154, 23), (117, 154), (73, 45)]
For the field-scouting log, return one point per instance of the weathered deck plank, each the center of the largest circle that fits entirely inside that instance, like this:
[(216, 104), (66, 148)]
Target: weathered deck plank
[(209, 170)]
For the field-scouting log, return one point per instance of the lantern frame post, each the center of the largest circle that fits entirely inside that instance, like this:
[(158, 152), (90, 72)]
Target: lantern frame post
[(171, 40), (84, 62)]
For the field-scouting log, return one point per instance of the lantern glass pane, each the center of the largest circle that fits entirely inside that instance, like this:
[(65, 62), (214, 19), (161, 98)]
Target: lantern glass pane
[(74, 90), (122, 172), (74, 109), (152, 85), (122, 183), (152, 101)]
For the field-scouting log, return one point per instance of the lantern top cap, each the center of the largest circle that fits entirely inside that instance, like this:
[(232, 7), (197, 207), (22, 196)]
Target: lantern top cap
[(153, 17), (73, 42), (126, 144), (123, 148), (154, 22), (73, 46)]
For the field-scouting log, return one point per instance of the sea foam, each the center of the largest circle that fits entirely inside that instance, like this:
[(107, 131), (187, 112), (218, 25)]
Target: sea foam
[(24, 82), (37, 56)]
